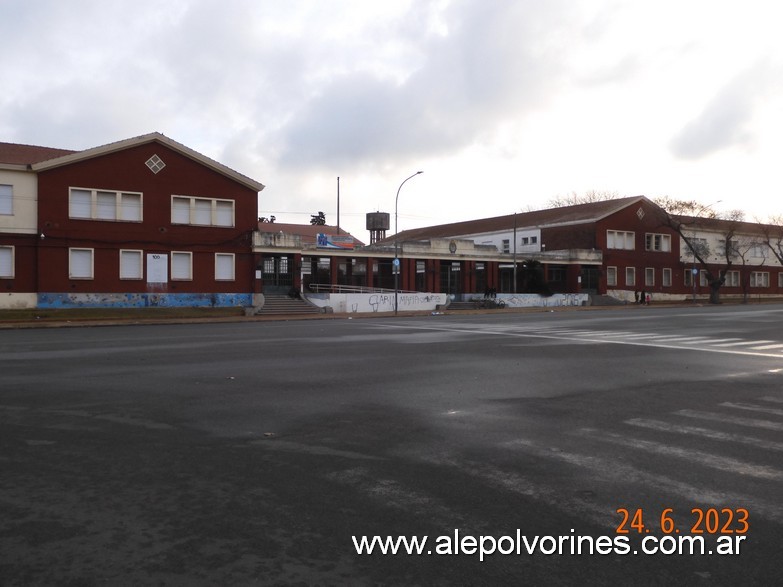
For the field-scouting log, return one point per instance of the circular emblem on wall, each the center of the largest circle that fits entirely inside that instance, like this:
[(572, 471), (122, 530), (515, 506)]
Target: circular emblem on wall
[(453, 246)]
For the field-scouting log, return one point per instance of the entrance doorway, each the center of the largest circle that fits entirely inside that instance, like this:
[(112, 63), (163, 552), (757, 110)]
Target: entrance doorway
[(277, 274)]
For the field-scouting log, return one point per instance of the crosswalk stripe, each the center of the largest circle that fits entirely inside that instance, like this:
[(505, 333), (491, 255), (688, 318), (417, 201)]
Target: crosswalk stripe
[(714, 417), (722, 463), (616, 471), (705, 433), (768, 347), (745, 343), (752, 408)]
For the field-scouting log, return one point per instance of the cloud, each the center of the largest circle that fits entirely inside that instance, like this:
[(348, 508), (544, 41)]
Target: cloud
[(496, 61), (726, 119)]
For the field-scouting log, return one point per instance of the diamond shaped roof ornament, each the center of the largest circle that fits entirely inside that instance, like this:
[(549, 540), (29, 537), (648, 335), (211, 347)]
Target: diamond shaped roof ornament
[(155, 164)]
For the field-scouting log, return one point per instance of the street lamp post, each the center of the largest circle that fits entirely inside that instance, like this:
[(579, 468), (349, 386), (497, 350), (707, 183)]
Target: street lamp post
[(396, 267)]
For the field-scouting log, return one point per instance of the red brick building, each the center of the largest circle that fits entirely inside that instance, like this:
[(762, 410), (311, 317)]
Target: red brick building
[(141, 222)]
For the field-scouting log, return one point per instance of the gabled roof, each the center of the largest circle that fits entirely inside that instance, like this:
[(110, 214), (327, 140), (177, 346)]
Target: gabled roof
[(724, 226), (578, 214), (308, 232), (43, 158), (15, 154)]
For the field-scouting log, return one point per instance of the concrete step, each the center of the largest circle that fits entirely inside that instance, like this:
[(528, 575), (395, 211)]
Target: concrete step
[(285, 305)]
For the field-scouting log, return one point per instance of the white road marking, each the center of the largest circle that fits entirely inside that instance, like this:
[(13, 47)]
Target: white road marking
[(601, 337), (714, 417), (613, 470), (719, 462), (768, 347), (752, 408), (705, 433), (745, 343)]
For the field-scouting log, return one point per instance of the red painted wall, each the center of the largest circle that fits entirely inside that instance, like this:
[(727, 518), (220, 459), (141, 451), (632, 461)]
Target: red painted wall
[(126, 171)]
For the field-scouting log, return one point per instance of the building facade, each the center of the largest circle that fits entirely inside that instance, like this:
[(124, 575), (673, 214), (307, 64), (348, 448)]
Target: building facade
[(142, 222)]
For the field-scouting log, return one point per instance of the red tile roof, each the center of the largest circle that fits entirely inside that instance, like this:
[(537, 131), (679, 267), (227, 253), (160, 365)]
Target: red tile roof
[(14, 154)]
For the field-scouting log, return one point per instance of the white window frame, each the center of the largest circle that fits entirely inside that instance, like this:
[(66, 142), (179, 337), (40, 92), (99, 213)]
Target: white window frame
[(780, 279), (621, 240), (732, 278), (506, 245), (649, 277), (666, 277), (656, 242), (759, 279), (7, 270), (196, 206), (72, 252), (224, 257), (127, 261), (611, 276), (630, 276), (175, 275), (119, 212), (6, 199), (703, 278)]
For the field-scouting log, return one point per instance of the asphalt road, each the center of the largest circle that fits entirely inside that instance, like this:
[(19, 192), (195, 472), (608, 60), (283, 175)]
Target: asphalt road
[(251, 453)]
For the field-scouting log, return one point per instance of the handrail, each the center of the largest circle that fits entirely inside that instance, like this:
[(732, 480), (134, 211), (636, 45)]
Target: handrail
[(329, 288)]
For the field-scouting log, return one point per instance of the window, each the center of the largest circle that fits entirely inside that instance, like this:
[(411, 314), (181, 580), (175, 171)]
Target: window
[(611, 276), (703, 278), (224, 267), (181, 266), (732, 249), (6, 199), (525, 240), (649, 276), (80, 263), (506, 245), (131, 265), (630, 276), (105, 205), (6, 262), (657, 242), (533, 240), (732, 279), (202, 211), (700, 245), (759, 279), (780, 279), (617, 239), (688, 277), (667, 277)]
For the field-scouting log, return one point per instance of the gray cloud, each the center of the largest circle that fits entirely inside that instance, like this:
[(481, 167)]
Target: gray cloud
[(497, 61), (726, 120)]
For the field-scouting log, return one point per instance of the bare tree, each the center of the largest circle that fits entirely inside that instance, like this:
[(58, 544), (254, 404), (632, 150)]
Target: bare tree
[(588, 197), (683, 216), (773, 236), (745, 248)]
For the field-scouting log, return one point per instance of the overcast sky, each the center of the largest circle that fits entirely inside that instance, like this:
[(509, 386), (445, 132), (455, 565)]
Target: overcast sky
[(503, 104)]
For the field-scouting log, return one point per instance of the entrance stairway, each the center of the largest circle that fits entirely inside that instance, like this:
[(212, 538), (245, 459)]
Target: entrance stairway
[(461, 306), (283, 305)]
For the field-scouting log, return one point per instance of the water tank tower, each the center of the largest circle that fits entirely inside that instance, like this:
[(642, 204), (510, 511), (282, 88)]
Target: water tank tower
[(377, 224)]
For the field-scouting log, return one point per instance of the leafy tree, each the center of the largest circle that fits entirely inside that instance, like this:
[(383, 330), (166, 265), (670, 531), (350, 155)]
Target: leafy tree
[(270, 220), (318, 219)]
